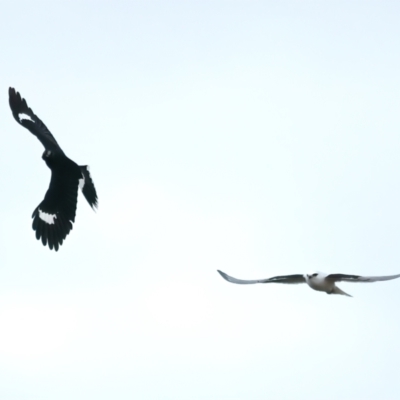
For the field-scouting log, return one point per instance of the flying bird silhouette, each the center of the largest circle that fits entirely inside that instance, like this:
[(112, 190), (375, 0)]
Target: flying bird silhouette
[(317, 280), (54, 216)]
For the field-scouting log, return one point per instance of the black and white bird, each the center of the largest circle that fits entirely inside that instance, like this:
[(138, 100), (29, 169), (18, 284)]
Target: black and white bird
[(54, 216), (317, 280)]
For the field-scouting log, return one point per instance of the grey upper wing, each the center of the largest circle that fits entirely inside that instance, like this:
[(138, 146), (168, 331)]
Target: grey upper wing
[(276, 279), (358, 278), (26, 117)]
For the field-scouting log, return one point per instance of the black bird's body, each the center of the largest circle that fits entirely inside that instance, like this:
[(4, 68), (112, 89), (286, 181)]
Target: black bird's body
[(53, 217)]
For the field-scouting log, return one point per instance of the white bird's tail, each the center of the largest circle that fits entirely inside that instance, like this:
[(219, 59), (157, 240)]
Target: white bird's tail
[(336, 290)]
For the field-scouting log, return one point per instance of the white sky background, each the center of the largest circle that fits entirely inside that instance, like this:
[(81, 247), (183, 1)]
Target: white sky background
[(253, 137)]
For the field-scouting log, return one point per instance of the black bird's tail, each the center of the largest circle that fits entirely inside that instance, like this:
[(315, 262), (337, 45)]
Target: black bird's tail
[(87, 187)]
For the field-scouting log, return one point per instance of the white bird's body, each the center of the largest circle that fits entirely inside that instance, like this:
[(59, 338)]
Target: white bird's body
[(322, 283), (318, 280)]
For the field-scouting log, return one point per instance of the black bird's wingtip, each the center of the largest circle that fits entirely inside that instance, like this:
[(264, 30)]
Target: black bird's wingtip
[(12, 92)]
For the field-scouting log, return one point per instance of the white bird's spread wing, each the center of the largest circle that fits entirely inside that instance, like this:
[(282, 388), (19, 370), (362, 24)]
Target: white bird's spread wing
[(291, 279), (358, 278)]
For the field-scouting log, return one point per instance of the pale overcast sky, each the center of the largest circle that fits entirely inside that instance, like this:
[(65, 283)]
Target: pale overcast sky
[(261, 138)]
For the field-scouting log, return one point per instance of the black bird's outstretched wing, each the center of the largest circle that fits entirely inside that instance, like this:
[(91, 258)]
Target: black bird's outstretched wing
[(53, 218), (26, 117), (276, 279)]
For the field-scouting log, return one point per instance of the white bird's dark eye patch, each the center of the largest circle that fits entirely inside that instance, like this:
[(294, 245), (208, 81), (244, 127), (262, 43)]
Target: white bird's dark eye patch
[(23, 116)]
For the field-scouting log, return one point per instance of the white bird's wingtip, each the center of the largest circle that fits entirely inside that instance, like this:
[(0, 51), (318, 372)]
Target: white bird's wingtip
[(223, 274)]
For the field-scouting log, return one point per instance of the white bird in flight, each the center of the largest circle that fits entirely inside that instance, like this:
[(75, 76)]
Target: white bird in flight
[(317, 280)]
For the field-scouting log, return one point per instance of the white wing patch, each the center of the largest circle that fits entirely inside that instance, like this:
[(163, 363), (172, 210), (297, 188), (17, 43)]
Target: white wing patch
[(48, 218), (22, 116), (82, 182)]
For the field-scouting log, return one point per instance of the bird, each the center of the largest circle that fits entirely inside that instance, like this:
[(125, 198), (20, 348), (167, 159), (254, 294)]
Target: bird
[(53, 218), (317, 280)]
